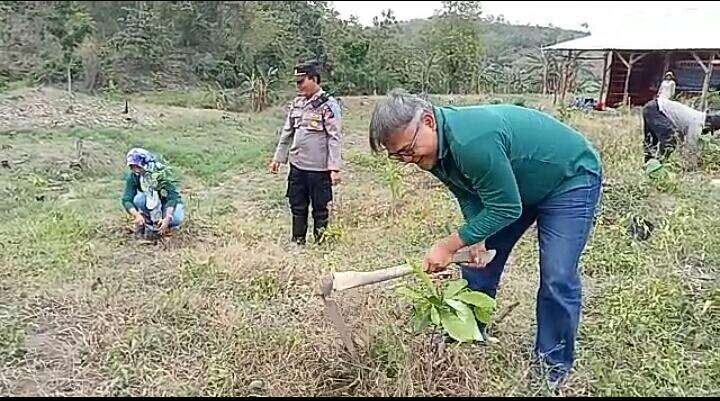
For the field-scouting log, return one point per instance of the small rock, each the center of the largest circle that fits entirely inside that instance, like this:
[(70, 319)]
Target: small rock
[(256, 385), (5, 163)]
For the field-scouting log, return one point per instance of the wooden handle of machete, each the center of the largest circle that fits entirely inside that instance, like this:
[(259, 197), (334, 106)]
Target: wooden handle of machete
[(347, 280)]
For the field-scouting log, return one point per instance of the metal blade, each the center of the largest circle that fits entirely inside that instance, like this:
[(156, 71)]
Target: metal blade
[(333, 313)]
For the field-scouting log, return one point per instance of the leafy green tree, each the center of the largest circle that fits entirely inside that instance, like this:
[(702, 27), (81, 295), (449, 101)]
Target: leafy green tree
[(455, 42), (69, 23)]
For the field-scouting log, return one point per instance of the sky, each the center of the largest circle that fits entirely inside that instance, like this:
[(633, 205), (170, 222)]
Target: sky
[(601, 16)]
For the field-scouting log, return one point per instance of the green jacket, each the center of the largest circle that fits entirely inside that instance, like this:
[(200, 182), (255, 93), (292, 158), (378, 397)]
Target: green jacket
[(497, 158), (169, 194)]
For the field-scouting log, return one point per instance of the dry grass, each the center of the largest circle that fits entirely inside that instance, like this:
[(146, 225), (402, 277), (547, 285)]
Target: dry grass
[(225, 307)]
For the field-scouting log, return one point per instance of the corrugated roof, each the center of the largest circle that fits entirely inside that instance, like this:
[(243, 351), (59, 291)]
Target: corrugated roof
[(655, 38)]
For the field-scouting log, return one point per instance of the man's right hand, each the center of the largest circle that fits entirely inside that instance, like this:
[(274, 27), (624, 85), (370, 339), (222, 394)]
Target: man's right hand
[(138, 219), (274, 167)]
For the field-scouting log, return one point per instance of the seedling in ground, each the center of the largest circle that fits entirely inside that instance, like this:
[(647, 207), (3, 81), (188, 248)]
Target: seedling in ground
[(452, 307), (394, 179)]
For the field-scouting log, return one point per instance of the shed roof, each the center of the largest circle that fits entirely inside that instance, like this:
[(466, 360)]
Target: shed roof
[(650, 39)]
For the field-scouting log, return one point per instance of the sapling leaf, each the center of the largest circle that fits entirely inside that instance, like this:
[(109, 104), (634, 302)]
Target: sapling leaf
[(483, 315), (463, 311), (476, 298), (422, 320), (454, 287), (435, 316), (424, 277), (462, 330)]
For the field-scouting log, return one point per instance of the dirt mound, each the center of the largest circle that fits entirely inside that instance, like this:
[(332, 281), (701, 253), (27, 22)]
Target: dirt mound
[(45, 108)]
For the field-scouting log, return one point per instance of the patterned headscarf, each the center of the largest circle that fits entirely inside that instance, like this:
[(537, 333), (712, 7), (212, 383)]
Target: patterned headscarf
[(148, 179), (141, 157)]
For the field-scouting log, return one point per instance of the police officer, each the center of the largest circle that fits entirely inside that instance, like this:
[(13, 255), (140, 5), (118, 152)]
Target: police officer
[(311, 136)]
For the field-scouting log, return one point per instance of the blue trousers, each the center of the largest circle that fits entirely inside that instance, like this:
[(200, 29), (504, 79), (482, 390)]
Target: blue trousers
[(177, 217), (564, 223)]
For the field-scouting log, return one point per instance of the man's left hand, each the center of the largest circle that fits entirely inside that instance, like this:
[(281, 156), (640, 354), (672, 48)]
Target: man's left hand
[(335, 177)]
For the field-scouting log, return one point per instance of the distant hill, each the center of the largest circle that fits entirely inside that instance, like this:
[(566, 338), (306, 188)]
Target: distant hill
[(501, 38)]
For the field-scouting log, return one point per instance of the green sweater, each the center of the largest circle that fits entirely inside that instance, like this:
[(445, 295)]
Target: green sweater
[(497, 158), (169, 194)]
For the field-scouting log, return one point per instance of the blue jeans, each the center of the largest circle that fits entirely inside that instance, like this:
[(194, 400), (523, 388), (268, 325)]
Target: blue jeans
[(177, 217), (564, 223)]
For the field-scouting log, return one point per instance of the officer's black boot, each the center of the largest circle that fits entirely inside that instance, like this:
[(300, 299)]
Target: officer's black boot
[(319, 227), (299, 229)]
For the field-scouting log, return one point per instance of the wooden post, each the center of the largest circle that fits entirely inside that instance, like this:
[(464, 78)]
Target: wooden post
[(609, 76), (706, 82), (561, 79), (69, 78), (573, 72), (556, 84), (629, 63), (604, 79), (566, 77), (544, 71), (627, 75)]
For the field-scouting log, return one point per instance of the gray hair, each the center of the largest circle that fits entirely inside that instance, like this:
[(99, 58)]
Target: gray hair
[(392, 115)]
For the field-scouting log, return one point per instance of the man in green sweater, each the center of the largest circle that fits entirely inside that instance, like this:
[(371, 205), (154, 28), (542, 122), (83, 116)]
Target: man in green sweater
[(508, 167), (151, 195)]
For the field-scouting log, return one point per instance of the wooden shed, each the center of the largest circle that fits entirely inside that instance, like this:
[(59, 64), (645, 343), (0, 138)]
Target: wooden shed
[(634, 64)]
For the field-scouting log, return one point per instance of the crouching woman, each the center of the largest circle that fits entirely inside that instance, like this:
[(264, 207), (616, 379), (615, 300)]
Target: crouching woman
[(151, 195)]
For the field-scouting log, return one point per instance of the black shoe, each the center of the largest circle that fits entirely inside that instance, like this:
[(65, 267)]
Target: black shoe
[(299, 229), (319, 230)]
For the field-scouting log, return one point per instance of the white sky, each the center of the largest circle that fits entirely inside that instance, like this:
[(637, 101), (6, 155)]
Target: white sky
[(599, 15)]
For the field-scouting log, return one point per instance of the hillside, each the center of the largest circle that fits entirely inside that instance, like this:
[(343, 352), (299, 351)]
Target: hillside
[(246, 50), (502, 38)]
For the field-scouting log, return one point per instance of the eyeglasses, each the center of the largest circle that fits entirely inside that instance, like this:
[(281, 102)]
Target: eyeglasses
[(409, 150)]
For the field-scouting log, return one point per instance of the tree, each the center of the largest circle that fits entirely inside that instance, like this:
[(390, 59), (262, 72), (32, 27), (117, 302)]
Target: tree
[(246, 49), (140, 47), (469, 10), (70, 23), (348, 53), (385, 60), (454, 40)]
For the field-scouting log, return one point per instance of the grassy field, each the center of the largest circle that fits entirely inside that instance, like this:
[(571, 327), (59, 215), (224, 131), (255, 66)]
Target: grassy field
[(226, 306)]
